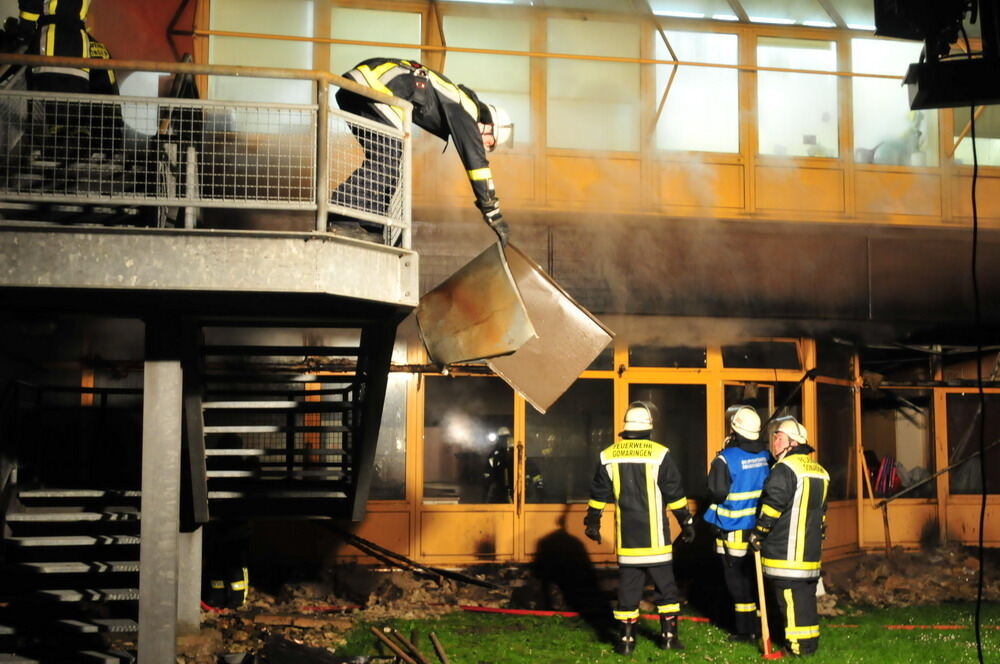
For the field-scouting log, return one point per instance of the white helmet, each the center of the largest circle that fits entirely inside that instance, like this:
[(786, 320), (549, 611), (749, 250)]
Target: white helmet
[(502, 432), (503, 127), (795, 431), (745, 421), (638, 417)]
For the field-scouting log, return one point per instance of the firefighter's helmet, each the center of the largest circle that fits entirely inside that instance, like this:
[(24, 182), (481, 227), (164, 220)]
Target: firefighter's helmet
[(638, 417), (745, 421), (791, 428), (502, 126)]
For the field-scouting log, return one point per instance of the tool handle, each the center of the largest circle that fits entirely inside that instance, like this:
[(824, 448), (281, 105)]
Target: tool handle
[(762, 604)]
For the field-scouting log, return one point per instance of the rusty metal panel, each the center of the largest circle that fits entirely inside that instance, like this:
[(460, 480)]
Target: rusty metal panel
[(476, 313), (568, 339)]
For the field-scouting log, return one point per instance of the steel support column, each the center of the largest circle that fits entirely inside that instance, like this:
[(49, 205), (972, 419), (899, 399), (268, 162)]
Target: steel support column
[(189, 582), (161, 459)]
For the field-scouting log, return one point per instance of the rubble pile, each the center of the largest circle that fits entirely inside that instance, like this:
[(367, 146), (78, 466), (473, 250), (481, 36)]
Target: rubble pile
[(907, 578), (319, 614)]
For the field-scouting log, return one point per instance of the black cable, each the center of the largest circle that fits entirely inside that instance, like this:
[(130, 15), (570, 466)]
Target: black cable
[(978, 331)]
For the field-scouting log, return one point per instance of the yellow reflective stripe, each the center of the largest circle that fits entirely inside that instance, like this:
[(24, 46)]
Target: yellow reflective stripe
[(745, 608), (803, 632), (218, 584), (372, 78), (480, 174), (50, 39), (800, 527), (653, 506), (626, 615), (596, 504), (767, 510), (646, 550), (84, 7), (238, 585), (677, 504), (471, 107), (668, 608), (791, 564), (750, 511), (30, 16), (743, 495), (736, 546), (616, 484), (790, 619)]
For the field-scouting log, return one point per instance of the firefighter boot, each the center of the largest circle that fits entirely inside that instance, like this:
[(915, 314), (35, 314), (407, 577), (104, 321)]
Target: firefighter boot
[(669, 639), (626, 639)]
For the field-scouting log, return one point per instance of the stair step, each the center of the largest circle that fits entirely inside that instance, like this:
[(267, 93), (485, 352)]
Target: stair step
[(301, 406), (212, 474), (16, 659), (267, 428), (90, 594), (281, 495), (91, 567), (101, 626), (253, 451), (6, 630), (110, 657), (77, 493), (63, 517), (283, 351), (74, 540)]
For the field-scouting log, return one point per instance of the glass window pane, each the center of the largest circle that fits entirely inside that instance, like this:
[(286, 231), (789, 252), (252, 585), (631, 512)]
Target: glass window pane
[(886, 131), (786, 398), (964, 425), (584, 96), (295, 18), (666, 356), (679, 423), (719, 10), (834, 359), (761, 355), (787, 12), (389, 479), (857, 14), (562, 445), (605, 361), (897, 424), (467, 456), (836, 438), (797, 113), (987, 137), (371, 25), (702, 108), (504, 80)]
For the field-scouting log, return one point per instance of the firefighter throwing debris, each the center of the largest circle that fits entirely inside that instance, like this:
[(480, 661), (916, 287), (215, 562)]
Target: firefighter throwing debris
[(440, 107), (790, 532), (735, 480), (642, 479)]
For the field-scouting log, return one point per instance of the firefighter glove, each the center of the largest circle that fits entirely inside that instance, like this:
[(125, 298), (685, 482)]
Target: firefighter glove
[(494, 219), (686, 520), (592, 527), (822, 530), (756, 538)]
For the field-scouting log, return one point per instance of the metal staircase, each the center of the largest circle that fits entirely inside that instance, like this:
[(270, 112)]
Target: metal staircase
[(70, 576)]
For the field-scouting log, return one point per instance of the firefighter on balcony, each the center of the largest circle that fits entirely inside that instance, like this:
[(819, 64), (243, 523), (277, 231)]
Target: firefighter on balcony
[(643, 481), (735, 480), (440, 107), (790, 532)]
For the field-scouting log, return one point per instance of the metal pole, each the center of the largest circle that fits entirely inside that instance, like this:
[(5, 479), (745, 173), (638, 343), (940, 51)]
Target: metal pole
[(189, 582), (322, 153), (407, 179), (191, 193), (161, 458)]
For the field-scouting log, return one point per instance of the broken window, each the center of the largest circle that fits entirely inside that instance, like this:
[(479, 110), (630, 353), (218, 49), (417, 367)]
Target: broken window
[(679, 423), (468, 446), (835, 359), (702, 109), (761, 355), (666, 356), (835, 438), (987, 136), (964, 426), (897, 434), (797, 113), (886, 131), (389, 478), (562, 445)]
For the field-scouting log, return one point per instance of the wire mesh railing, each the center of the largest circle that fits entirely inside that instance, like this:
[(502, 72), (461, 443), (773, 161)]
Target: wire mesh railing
[(186, 153)]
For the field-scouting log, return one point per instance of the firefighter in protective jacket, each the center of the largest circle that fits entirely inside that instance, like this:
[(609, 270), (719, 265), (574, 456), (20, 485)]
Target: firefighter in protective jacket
[(440, 107), (735, 480), (790, 531), (643, 481)]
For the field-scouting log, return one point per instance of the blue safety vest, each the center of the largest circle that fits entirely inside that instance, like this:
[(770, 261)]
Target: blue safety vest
[(747, 472)]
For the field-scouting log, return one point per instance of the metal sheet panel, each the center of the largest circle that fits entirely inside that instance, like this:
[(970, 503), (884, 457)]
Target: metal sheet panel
[(476, 313), (568, 340)]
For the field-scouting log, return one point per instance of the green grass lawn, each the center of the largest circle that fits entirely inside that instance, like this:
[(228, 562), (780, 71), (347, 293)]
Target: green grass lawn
[(861, 637)]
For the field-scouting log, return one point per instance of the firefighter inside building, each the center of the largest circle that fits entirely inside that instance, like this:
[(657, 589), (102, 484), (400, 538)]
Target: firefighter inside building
[(440, 107), (499, 471), (790, 530), (735, 480), (642, 479)]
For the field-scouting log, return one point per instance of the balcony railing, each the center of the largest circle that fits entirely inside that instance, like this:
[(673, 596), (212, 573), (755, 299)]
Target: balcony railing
[(187, 153)]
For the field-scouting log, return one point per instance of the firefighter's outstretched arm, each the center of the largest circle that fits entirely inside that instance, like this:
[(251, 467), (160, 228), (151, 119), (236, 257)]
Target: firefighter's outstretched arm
[(601, 493)]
